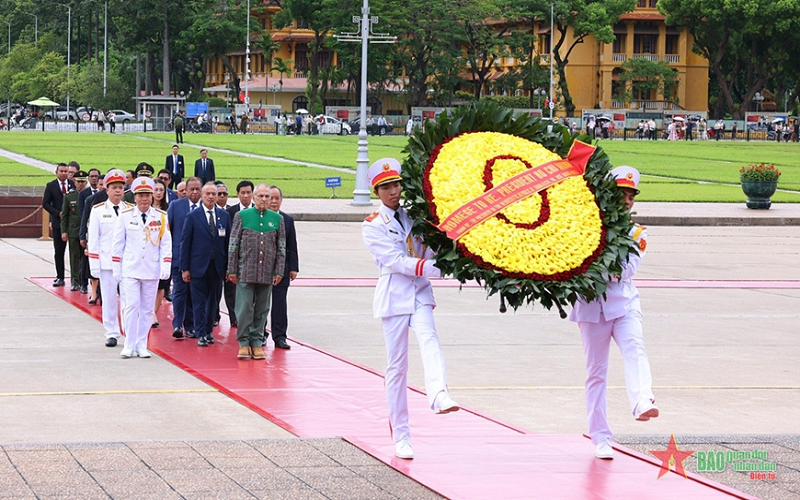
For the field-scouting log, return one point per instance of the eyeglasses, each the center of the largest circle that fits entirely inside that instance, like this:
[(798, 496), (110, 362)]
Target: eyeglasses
[(222, 193)]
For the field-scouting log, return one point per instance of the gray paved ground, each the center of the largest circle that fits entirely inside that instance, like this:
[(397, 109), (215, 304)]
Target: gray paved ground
[(724, 363)]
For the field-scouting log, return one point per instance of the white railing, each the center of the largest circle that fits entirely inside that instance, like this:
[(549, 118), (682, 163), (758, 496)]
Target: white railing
[(299, 74), (649, 57), (617, 104), (619, 57), (672, 58)]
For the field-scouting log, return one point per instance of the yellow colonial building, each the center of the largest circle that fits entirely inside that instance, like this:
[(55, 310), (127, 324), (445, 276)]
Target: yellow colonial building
[(592, 71)]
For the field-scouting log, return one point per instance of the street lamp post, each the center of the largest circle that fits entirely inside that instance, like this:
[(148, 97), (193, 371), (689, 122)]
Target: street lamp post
[(36, 27), (247, 66), (361, 192), (552, 49), (758, 98), (69, 48), (8, 96), (105, 50)]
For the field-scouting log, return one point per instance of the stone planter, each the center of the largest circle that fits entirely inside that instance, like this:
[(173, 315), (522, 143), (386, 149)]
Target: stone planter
[(759, 193)]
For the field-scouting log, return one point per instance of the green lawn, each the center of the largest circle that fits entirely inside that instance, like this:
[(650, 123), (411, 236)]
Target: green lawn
[(669, 168), (105, 151)]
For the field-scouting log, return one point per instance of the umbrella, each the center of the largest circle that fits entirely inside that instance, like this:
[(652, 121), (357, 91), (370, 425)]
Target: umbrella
[(604, 117), (42, 101), (302, 111), (678, 119), (778, 119)]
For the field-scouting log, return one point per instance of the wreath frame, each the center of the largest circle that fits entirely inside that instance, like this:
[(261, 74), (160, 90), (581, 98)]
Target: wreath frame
[(451, 258)]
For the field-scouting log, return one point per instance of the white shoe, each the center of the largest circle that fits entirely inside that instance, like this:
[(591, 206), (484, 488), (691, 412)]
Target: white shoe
[(143, 353), (444, 403), (645, 411), (604, 450), (126, 353), (402, 449)]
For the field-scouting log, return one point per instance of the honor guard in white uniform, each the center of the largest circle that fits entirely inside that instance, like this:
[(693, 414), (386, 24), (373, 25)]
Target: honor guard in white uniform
[(102, 222), (403, 300), (618, 316), (141, 255)]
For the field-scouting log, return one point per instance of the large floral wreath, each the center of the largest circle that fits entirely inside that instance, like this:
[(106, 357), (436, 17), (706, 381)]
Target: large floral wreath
[(551, 246)]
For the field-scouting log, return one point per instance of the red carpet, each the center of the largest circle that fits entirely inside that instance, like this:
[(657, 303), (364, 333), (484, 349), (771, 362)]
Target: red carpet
[(465, 454)]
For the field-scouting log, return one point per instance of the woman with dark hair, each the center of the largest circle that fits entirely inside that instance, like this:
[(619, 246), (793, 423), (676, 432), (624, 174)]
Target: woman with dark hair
[(160, 202)]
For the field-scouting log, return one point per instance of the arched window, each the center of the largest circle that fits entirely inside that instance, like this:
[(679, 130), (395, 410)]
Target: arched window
[(299, 102)]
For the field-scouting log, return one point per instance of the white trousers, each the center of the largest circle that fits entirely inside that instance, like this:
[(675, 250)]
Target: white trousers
[(137, 313), (108, 289), (395, 332), (627, 333)]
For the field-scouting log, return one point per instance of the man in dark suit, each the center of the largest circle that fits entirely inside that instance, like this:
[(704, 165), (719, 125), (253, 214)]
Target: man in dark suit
[(52, 201), (174, 165), (91, 189), (244, 193), (166, 178), (204, 260), (204, 168), (278, 313), (183, 316)]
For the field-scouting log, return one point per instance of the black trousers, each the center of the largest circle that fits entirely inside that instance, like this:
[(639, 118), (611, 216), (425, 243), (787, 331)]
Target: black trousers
[(230, 300), (278, 313), (85, 273), (179, 134), (60, 247)]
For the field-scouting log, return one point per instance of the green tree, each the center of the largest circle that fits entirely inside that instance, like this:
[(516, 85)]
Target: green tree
[(748, 44), (484, 38), (282, 67), (642, 75), (580, 19)]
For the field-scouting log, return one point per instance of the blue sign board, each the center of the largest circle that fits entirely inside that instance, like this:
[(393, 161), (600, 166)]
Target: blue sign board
[(333, 182), (196, 108)]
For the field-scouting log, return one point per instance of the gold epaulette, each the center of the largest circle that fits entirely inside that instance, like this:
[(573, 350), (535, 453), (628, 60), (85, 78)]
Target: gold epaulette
[(99, 204), (372, 216), (127, 209), (163, 212)]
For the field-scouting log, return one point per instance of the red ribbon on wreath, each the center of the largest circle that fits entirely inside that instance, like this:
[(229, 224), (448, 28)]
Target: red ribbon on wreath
[(519, 187)]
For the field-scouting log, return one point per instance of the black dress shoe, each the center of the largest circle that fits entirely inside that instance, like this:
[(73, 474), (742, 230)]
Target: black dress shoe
[(234, 324), (202, 342), (74, 288), (209, 339), (111, 342), (177, 333), (84, 290), (216, 322), (282, 344), (190, 334), (58, 282), (92, 302)]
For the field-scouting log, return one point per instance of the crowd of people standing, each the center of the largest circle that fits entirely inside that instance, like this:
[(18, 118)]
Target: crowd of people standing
[(135, 242)]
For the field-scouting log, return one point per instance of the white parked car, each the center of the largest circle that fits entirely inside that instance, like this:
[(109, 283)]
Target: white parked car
[(123, 116), (335, 126)]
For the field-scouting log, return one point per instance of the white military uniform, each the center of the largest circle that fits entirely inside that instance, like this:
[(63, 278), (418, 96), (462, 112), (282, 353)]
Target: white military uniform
[(141, 255), (403, 299), (102, 222), (619, 315)]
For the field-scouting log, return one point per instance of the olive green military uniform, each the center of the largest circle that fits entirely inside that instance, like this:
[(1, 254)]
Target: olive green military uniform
[(71, 224)]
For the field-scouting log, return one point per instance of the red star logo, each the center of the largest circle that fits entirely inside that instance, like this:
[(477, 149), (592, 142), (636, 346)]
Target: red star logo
[(672, 456)]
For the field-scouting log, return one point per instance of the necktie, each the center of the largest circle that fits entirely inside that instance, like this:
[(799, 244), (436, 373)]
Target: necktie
[(192, 207), (397, 217), (63, 187), (144, 218), (116, 209), (204, 168), (211, 220)]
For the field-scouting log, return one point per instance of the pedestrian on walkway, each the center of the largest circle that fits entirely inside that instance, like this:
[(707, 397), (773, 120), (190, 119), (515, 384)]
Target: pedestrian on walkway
[(617, 315), (403, 300), (102, 221), (141, 254), (256, 262)]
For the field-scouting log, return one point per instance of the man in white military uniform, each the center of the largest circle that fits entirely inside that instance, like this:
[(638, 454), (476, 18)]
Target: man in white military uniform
[(618, 316), (403, 299), (141, 255), (102, 222)]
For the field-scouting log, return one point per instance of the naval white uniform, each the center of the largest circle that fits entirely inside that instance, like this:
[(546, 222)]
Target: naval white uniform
[(618, 316), (101, 230), (141, 255), (403, 299)]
